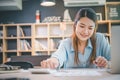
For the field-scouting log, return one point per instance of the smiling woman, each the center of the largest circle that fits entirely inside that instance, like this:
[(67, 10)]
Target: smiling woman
[(84, 48)]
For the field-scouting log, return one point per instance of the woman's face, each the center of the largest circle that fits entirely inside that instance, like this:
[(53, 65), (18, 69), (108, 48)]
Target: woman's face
[(84, 29)]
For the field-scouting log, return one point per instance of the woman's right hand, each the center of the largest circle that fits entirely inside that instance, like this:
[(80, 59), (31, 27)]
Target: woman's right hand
[(51, 63)]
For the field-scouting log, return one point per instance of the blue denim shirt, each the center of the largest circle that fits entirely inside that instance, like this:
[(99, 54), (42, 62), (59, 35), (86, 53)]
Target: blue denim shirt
[(65, 52)]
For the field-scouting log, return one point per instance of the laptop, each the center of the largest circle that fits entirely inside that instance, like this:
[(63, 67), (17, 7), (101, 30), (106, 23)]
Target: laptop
[(115, 49)]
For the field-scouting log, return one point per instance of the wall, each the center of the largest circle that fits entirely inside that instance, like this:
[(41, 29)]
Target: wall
[(27, 15)]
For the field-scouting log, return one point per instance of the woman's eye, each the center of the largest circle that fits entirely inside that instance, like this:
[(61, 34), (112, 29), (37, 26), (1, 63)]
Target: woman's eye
[(91, 28), (82, 26)]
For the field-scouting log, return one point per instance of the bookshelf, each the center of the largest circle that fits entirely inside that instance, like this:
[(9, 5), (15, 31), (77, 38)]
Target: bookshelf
[(24, 39), (47, 36)]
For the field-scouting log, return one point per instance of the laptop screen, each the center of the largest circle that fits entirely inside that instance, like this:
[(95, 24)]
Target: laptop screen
[(115, 49)]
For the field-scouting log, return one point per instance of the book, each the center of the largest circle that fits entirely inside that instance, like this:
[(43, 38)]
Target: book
[(1, 33), (40, 46), (21, 32), (24, 45)]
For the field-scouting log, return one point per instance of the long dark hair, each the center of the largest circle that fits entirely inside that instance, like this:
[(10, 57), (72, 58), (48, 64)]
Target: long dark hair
[(91, 14)]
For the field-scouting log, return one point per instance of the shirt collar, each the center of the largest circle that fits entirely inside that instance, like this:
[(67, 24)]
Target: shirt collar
[(89, 45)]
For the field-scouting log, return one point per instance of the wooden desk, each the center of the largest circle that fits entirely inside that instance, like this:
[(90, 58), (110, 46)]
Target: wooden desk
[(26, 74)]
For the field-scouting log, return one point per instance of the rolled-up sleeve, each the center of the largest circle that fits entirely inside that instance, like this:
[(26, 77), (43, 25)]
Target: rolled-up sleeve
[(60, 54), (103, 47)]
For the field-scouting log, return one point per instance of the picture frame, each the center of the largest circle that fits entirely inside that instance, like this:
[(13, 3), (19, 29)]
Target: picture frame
[(99, 16), (113, 11)]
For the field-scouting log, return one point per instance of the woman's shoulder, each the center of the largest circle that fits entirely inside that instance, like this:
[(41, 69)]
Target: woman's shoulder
[(66, 41), (99, 35)]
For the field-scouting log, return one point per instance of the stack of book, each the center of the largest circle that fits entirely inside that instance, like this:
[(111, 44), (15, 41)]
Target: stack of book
[(24, 45)]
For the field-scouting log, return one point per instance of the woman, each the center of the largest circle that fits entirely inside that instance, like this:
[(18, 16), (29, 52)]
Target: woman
[(85, 48)]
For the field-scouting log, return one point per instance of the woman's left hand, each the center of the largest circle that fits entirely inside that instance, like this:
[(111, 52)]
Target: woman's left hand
[(100, 61)]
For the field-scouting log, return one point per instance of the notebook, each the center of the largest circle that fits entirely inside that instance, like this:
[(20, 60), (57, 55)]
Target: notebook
[(115, 49)]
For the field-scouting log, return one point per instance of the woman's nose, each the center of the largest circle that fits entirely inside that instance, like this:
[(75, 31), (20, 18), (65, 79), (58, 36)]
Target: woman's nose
[(86, 31)]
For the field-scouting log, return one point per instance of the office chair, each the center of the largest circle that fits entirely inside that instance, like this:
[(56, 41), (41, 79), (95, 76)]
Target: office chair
[(23, 65)]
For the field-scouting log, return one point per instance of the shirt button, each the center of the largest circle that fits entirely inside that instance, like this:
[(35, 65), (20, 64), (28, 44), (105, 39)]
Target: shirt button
[(84, 64)]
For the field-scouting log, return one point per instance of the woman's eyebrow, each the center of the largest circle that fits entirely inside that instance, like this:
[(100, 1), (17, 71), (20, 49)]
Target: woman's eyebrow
[(81, 23), (84, 24)]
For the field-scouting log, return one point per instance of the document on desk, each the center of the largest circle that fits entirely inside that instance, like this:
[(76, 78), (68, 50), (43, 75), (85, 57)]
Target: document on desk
[(78, 72), (42, 71)]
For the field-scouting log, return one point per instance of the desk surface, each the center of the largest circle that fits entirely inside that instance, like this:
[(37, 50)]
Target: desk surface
[(104, 75)]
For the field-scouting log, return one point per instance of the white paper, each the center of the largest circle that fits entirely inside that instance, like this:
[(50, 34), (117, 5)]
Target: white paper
[(42, 71), (81, 72)]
